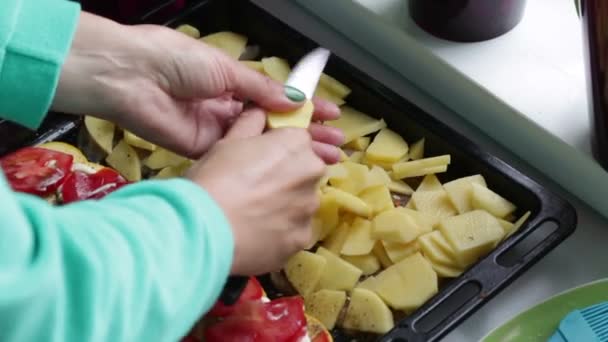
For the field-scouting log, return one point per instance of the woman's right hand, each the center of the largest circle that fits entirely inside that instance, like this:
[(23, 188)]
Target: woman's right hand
[(266, 184)]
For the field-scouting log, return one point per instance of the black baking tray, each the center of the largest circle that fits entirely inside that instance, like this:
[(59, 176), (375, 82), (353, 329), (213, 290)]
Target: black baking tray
[(551, 222)]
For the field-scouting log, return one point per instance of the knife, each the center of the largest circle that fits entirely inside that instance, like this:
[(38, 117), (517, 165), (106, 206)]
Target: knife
[(299, 87)]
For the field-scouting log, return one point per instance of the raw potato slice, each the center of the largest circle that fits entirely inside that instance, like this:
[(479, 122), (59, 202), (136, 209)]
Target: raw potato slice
[(377, 176), (325, 94), (136, 141), (432, 252), (424, 221), (355, 124), (434, 203), (430, 183), (335, 240), (328, 215), (337, 172), (446, 271), (338, 274), (276, 68), (421, 167), (359, 239), (334, 86), (367, 312), (380, 253), (395, 225), (189, 30), (387, 146), (77, 155), (124, 159), (460, 191), (325, 305), (231, 43), (407, 284), (304, 270), (162, 158), (101, 131), (173, 171), (443, 244), (368, 263), (398, 251), (359, 144), (255, 65), (349, 202), (356, 156), (343, 155), (518, 224), (298, 118), (471, 235), (378, 198), (488, 200), (417, 150), (356, 179), (506, 226), (385, 165), (400, 187)]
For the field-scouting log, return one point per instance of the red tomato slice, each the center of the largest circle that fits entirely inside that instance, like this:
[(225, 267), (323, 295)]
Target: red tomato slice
[(281, 320), (253, 291), (80, 186), (35, 170)]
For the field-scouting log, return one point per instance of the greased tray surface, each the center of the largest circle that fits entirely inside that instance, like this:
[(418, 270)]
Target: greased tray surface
[(551, 217)]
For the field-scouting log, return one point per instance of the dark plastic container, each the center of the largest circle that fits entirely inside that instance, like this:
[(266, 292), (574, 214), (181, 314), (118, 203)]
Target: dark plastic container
[(552, 219), (595, 28), (467, 20)]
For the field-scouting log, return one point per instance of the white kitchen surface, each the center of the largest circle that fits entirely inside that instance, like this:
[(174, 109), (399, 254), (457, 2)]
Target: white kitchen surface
[(536, 68)]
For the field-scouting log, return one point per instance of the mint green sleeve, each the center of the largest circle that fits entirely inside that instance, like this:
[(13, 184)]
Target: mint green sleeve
[(142, 264)]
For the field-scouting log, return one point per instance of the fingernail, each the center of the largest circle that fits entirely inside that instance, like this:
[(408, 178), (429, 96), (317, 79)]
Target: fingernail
[(294, 94)]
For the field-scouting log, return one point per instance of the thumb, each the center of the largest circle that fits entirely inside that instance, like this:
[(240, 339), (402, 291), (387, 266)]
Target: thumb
[(250, 123)]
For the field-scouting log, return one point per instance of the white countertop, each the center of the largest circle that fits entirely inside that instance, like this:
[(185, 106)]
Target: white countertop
[(537, 68)]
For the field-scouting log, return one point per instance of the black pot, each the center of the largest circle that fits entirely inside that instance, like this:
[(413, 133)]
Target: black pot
[(467, 20)]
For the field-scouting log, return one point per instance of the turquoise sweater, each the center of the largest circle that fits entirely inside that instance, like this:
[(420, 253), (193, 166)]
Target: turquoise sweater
[(140, 265)]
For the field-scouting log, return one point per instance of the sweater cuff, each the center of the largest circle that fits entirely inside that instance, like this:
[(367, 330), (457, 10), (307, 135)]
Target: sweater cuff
[(41, 39)]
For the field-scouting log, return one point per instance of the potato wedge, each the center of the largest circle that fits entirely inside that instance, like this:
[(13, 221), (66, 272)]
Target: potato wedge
[(432, 252), (518, 224), (124, 159), (335, 240), (338, 274), (395, 225), (304, 270), (136, 141), (298, 118), (276, 68), (417, 150), (233, 44), (367, 263), (359, 144), (445, 271), (488, 200), (359, 239), (327, 95), (378, 198), (162, 158), (460, 191), (334, 86), (173, 171), (400, 187), (421, 167), (255, 65), (356, 179), (398, 251), (325, 305), (367, 312), (189, 30), (355, 124), (368, 283), (356, 157), (379, 252), (377, 176), (101, 131), (350, 202), (387, 146), (434, 203)]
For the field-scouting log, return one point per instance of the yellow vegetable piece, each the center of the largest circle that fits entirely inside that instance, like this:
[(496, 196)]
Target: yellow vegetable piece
[(276, 68), (325, 305), (343, 155), (231, 43), (443, 244), (387, 146), (397, 251), (432, 252), (417, 150), (379, 252), (255, 65), (189, 30), (518, 224), (488, 200), (367, 263), (334, 86), (430, 183), (304, 270), (424, 222), (471, 235), (356, 156), (506, 226), (355, 124), (359, 144), (124, 159), (369, 283), (338, 274), (395, 225), (378, 198), (400, 187), (359, 239), (101, 131), (173, 171), (136, 141), (325, 94), (162, 158), (349, 202), (377, 176), (356, 179), (367, 312), (421, 167), (337, 172), (434, 203), (58, 146), (328, 215), (335, 240), (298, 118), (460, 191), (446, 271), (407, 284)]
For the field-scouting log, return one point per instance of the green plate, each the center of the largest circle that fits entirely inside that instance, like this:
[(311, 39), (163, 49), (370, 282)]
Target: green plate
[(541, 321)]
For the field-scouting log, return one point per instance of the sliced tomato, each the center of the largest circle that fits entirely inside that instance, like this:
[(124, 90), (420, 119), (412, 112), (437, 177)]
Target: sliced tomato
[(253, 291), (280, 320), (80, 185), (35, 170)]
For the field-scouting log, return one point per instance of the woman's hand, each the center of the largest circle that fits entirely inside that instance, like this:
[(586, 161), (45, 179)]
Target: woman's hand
[(169, 88)]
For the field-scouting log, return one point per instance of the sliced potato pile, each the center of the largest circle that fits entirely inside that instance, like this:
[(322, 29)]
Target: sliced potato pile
[(379, 246)]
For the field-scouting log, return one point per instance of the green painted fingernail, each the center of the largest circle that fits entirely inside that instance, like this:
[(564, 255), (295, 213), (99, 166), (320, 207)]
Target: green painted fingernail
[(294, 94)]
